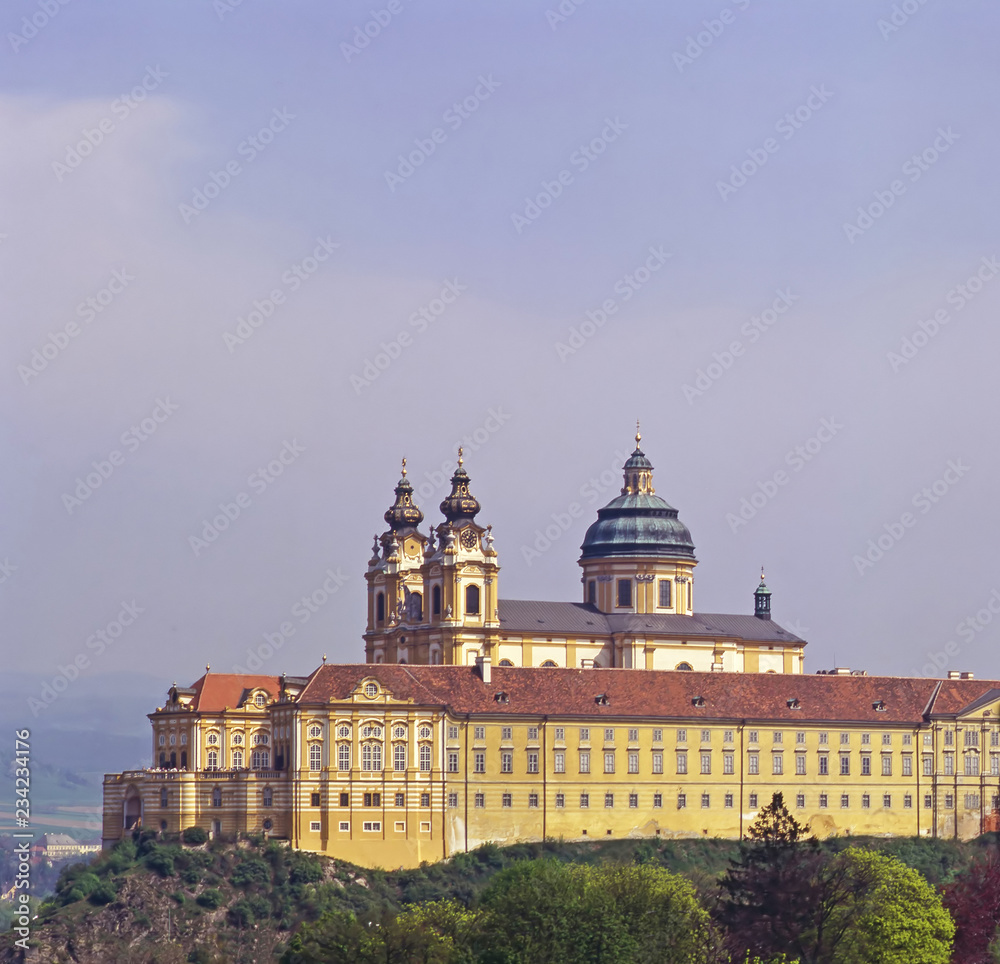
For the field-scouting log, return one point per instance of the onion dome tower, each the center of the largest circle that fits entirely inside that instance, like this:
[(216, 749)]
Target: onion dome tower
[(638, 556), (461, 506), (404, 512)]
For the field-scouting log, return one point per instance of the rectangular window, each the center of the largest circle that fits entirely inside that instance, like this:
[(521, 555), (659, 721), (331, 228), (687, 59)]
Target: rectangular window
[(800, 738), (624, 592), (994, 737), (866, 801), (752, 736), (609, 801), (928, 801), (532, 734), (824, 764), (706, 762), (373, 799), (752, 801), (949, 802), (824, 738), (633, 762), (866, 739), (907, 764), (609, 763), (452, 732), (706, 736), (845, 765), (592, 592), (994, 764), (633, 736), (479, 762), (313, 799), (560, 734), (506, 762), (907, 801), (682, 761), (657, 736), (657, 800), (400, 799), (887, 800), (682, 736), (425, 799), (584, 761), (706, 801), (729, 801), (344, 756), (584, 801), (886, 765), (928, 739), (886, 739), (559, 762), (560, 800), (425, 826), (776, 736), (345, 800), (823, 801), (972, 764), (532, 761), (452, 801), (453, 762), (972, 737), (928, 766), (907, 739), (480, 801), (727, 736), (800, 800), (506, 800), (682, 801), (949, 764), (345, 825), (480, 732), (800, 764), (609, 735), (664, 593), (866, 764), (657, 761), (777, 764), (845, 739), (949, 737), (753, 763), (314, 825), (728, 762), (633, 800), (845, 801), (585, 734), (533, 801), (506, 734), (972, 801)]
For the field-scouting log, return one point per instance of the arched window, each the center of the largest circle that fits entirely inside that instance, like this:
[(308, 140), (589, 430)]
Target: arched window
[(213, 760), (371, 756), (184, 759), (506, 662), (184, 739), (344, 756), (163, 760), (268, 800), (216, 797), (548, 662), (380, 608), (315, 756), (399, 756), (237, 759), (686, 667), (472, 600), (425, 758), (416, 606), (163, 797), (436, 600), (255, 760)]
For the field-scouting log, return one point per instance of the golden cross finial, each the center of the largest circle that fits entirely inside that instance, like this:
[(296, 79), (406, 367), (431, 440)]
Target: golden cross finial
[(460, 455), (638, 435), (404, 466), (761, 573)]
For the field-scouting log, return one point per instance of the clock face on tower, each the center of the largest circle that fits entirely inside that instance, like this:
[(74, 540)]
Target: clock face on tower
[(469, 538)]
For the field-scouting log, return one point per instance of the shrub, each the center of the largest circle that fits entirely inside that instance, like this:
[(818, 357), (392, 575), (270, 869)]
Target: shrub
[(103, 893), (251, 871), (210, 899), (194, 835)]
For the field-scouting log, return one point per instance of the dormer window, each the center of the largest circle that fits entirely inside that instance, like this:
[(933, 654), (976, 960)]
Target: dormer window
[(879, 706), (371, 690), (260, 699), (502, 697), (793, 703), (697, 700), (602, 699)]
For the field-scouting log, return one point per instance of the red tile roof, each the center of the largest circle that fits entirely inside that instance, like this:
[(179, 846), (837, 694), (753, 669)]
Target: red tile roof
[(215, 691), (654, 693)]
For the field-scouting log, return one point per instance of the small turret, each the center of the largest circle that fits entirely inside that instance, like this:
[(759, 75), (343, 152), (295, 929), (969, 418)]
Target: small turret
[(762, 599)]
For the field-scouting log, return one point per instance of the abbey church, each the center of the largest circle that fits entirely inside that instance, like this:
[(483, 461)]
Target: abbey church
[(625, 713)]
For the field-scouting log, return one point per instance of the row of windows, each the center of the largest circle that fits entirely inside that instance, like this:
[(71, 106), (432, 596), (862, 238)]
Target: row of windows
[(267, 799), (371, 757), (623, 593), (370, 826), (259, 739), (370, 731), (259, 760), (415, 604), (371, 799)]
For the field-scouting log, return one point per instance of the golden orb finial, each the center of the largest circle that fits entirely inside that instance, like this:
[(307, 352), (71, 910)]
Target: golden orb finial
[(460, 460), (404, 466), (638, 434)]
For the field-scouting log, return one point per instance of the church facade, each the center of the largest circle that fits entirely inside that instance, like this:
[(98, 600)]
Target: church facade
[(627, 713)]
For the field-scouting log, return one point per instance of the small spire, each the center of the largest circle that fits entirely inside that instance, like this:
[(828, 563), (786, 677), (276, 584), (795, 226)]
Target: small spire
[(208, 666), (460, 459), (404, 466), (324, 659), (638, 434)]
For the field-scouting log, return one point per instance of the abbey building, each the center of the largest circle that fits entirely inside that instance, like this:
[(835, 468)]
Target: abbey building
[(626, 713)]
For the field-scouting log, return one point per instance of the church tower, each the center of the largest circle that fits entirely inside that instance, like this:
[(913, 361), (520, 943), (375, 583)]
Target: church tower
[(638, 556)]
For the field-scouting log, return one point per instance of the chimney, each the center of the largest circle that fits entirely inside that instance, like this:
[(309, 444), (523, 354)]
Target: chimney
[(483, 664)]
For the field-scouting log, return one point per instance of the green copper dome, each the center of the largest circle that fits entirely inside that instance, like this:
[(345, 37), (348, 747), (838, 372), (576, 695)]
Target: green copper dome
[(638, 522)]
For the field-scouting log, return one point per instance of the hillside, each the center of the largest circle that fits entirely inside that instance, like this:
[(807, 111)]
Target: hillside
[(156, 902)]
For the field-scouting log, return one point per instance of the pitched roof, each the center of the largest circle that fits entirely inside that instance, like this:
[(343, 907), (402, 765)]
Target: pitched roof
[(215, 691), (583, 619), (636, 693)]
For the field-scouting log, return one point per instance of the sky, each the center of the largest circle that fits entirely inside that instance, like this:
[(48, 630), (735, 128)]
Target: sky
[(253, 254)]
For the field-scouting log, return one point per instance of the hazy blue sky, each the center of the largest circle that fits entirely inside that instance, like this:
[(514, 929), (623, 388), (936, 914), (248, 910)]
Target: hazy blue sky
[(180, 163)]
